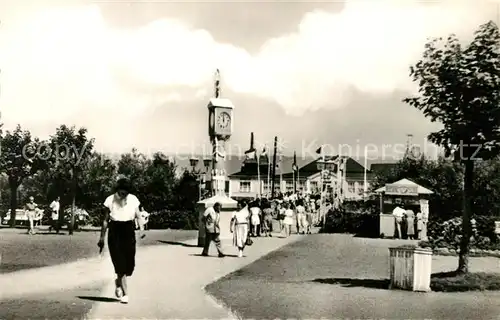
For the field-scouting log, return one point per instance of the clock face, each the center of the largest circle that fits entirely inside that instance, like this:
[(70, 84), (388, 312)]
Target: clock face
[(223, 120)]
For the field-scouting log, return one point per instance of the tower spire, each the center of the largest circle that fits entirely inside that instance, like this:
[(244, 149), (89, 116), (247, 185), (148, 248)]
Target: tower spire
[(217, 83), (409, 144)]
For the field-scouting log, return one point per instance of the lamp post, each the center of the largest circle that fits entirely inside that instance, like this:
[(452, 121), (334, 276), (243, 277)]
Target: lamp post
[(325, 166), (207, 163), (200, 175)]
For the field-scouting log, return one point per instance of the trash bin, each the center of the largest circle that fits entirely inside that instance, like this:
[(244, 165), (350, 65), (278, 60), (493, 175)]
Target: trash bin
[(410, 268)]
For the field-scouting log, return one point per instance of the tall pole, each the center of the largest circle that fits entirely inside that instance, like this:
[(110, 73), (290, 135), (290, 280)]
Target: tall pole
[(322, 205), (268, 175), (294, 184), (365, 181), (258, 173), (273, 175), (281, 178)]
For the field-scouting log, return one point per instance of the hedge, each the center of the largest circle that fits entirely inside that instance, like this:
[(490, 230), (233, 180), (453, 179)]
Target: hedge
[(356, 219), (447, 234), (173, 219)]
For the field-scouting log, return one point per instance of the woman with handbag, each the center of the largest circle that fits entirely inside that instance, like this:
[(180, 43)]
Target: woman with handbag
[(240, 228)]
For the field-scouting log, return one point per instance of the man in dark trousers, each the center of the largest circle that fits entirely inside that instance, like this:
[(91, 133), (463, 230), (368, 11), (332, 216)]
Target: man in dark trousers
[(212, 229)]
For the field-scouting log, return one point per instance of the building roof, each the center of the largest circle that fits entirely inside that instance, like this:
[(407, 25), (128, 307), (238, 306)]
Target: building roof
[(221, 102), (382, 167), (406, 183), (354, 170)]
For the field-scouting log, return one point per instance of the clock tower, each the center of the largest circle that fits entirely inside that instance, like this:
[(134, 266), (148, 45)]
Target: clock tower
[(220, 129)]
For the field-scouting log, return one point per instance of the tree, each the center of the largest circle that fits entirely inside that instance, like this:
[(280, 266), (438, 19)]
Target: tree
[(71, 152), (186, 191), (19, 158), (486, 191), (459, 86), (160, 185), (97, 182), (442, 176), (133, 165)]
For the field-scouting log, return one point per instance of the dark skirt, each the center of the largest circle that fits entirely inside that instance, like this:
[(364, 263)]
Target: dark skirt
[(121, 244)]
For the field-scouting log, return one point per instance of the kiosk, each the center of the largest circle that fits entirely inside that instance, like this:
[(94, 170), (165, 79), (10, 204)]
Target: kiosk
[(403, 192)]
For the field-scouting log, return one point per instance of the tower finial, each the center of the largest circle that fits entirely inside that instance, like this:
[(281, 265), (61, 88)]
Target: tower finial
[(409, 144), (217, 83)]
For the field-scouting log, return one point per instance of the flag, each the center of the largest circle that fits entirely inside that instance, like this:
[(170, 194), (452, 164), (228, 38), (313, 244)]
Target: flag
[(251, 154), (264, 151), (294, 166)]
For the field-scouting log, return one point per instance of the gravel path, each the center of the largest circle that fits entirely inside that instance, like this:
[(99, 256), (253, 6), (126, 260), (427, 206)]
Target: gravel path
[(65, 291), (293, 283)]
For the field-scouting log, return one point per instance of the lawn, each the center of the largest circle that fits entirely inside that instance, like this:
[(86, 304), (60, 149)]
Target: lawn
[(338, 276), (21, 251), (64, 304)]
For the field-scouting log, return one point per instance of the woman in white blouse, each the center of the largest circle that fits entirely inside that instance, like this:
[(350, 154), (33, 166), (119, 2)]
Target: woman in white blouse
[(123, 209), (288, 220), (240, 227)]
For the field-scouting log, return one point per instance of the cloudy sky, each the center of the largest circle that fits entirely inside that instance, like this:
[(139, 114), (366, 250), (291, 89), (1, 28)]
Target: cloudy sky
[(140, 73)]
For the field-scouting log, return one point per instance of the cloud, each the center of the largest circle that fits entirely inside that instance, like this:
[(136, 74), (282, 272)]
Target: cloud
[(60, 61)]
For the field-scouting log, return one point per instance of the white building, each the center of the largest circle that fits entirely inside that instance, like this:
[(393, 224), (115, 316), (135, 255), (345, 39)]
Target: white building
[(245, 183)]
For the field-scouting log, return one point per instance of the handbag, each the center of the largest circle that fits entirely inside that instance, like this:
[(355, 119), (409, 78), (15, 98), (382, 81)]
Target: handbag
[(249, 242)]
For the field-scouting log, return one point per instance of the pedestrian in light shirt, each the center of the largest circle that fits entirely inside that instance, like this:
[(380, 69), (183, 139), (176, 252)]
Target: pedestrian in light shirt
[(212, 229), (398, 214), (30, 211), (54, 215)]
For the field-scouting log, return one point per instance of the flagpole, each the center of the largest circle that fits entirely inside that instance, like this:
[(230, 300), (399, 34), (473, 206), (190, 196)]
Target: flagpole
[(365, 186), (268, 174), (258, 173), (322, 197)]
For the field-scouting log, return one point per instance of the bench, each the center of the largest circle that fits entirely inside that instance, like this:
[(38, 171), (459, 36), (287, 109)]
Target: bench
[(22, 218)]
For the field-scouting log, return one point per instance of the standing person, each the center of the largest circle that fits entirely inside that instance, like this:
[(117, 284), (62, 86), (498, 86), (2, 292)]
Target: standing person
[(267, 221), (122, 210), (398, 214), (255, 217), (288, 220), (240, 227), (54, 214), (420, 225), (212, 229), (30, 210), (410, 224), (301, 217), (309, 219), (145, 218)]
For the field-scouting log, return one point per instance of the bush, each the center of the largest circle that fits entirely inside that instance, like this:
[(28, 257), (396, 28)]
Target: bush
[(170, 219), (448, 234), (353, 219), (453, 282)]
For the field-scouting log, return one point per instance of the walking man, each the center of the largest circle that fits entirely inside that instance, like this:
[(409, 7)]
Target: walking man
[(54, 215), (212, 229), (30, 210)]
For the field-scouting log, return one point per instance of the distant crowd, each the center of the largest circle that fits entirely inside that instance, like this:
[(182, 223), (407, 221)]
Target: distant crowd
[(255, 219)]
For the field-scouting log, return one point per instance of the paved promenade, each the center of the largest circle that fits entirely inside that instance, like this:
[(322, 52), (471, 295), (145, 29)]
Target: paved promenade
[(169, 281)]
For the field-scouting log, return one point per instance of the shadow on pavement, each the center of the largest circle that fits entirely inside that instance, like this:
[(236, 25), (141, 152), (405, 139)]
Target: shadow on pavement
[(98, 299), (214, 256), (175, 243), (12, 267), (352, 283)]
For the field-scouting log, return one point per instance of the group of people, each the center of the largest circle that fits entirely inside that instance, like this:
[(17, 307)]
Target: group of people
[(255, 219), (407, 223), (31, 210)]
